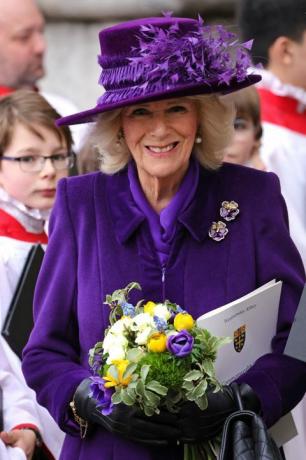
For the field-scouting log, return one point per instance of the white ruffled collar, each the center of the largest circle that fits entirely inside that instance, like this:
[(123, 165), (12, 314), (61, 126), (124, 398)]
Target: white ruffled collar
[(272, 83), (33, 220)]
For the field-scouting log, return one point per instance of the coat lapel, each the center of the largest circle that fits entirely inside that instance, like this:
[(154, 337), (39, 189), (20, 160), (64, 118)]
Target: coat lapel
[(207, 261)]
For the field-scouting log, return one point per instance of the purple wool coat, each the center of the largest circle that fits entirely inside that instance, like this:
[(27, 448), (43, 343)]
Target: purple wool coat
[(100, 241)]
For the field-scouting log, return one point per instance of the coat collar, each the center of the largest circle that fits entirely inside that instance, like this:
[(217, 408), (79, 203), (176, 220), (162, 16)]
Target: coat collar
[(197, 218)]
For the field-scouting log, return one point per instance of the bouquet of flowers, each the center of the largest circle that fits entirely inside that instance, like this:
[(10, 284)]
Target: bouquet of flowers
[(154, 356)]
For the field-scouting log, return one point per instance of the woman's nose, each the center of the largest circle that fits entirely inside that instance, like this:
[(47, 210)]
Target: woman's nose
[(159, 124)]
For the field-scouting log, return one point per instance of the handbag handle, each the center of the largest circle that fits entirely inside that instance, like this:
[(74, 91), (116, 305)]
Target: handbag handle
[(237, 395)]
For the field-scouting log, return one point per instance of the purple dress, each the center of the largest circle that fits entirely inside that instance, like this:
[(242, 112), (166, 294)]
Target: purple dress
[(100, 241)]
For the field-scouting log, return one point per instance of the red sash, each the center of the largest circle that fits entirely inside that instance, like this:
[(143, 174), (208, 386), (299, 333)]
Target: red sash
[(11, 228), (282, 111)]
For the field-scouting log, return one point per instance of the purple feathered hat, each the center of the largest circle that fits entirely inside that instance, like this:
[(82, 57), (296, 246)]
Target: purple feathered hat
[(160, 58)]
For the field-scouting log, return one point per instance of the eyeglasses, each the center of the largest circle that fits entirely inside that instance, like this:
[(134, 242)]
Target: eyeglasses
[(36, 163)]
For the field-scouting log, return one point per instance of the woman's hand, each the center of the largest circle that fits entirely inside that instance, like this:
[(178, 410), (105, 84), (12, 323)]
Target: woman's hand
[(127, 421), (24, 439), (200, 425)]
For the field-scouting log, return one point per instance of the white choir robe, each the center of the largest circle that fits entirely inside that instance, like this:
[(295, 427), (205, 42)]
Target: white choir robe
[(20, 405)]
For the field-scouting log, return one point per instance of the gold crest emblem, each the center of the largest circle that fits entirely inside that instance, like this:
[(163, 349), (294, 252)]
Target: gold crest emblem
[(239, 338)]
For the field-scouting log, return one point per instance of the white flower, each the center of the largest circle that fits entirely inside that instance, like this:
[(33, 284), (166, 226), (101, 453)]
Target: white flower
[(162, 311), (142, 321), (121, 326), (116, 353), (116, 346), (142, 336), (143, 325), (112, 342)]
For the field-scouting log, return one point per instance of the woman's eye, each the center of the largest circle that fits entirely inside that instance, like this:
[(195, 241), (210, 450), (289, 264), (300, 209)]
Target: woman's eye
[(177, 109), (139, 113)]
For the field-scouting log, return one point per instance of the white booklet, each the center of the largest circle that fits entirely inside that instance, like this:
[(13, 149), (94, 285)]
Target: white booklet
[(251, 322)]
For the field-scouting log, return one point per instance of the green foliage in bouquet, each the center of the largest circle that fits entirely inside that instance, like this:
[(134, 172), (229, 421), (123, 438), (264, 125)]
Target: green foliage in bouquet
[(153, 355)]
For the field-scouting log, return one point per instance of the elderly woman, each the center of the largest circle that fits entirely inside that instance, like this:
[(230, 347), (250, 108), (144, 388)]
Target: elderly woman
[(153, 216)]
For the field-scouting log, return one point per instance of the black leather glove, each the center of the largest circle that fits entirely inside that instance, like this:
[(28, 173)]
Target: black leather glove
[(197, 425), (127, 421)]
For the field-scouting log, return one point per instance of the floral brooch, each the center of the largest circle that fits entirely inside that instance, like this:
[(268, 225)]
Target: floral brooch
[(229, 211)]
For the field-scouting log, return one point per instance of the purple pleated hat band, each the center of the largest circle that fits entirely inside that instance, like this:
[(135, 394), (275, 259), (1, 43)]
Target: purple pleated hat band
[(161, 58)]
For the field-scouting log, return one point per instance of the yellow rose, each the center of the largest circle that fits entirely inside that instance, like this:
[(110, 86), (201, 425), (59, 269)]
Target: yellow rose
[(111, 381), (157, 342), (149, 308), (183, 321)]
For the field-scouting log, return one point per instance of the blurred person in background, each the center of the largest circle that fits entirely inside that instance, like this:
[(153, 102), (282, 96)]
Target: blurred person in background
[(34, 155), (22, 51), (245, 144), (279, 31)]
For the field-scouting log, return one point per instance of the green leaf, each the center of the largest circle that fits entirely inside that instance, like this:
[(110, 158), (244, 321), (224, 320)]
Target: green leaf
[(157, 388), (138, 306), (132, 285), (140, 389), (193, 375), (116, 397), (108, 300), (127, 398), (131, 391), (198, 391), (144, 372), (208, 367), (113, 371), (152, 398), (149, 411), (202, 402), (129, 370), (188, 386)]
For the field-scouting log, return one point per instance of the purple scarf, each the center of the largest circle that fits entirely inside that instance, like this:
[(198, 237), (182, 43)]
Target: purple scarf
[(164, 225)]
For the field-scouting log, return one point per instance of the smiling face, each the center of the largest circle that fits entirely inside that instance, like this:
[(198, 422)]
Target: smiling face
[(160, 136), (35, 190)]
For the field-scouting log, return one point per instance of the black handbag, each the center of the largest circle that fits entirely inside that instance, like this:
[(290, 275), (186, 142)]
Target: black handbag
[(245, 436)]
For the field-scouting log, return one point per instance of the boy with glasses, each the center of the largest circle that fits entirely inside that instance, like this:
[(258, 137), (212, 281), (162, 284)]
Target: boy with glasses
[(34, 155)]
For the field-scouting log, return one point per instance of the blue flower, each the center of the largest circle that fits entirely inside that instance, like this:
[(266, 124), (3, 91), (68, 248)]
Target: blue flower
[(128, 309), (97, 362), (160, 323)]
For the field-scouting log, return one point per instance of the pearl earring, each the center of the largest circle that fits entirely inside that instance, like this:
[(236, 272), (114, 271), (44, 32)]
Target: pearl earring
[(198, 139)]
